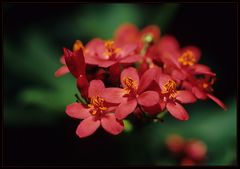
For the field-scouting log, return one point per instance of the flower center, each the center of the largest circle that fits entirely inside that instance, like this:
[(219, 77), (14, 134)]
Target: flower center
[(96, 105), (207, 83), (131, 85), (187, 58), (78, 45), (110, 49), (170, 88)]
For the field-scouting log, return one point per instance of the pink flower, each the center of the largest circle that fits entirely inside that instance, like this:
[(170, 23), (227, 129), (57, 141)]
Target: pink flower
[(107, 53), (98, 112), (172, 98), (202, 89), (133, 92)]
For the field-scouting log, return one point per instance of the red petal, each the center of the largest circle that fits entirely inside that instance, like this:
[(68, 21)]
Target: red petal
[(126, 33), (77, 110), (82, 85), (62, 60), (168, 43), (127, 49), (178, 75), (75, 62), (153, 110), (177, 111), (131, 59), (129, 72), (202, 69), (185, 96), (216, 100), (111, 124), (113, 95), (61, 71), (96, 88), (148, 77), (105, 63), (125, 108), (199, 93), (163, 79), (87, 127), (148, 98)]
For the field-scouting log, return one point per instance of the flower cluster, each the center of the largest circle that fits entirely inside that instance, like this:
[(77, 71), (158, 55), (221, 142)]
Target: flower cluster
[(189, 151), (137, 72)]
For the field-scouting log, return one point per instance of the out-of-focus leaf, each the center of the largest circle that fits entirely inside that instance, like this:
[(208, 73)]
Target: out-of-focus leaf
[(99, 20)]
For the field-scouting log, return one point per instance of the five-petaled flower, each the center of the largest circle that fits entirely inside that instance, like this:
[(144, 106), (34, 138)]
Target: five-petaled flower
[(97, 112)]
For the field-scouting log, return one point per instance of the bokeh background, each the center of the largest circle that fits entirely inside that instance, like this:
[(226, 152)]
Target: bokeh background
[(36, 130)]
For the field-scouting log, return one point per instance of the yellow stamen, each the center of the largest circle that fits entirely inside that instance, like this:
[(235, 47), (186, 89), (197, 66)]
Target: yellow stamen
[(96, 104), (78, 45), (170, 87), (131, 85), (187, 58), (111, 50)]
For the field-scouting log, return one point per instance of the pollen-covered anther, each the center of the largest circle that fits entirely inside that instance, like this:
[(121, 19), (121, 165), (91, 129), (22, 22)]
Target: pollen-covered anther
[(170, 88), (110, 49), (96, 105), (131, 85), (187, 58), (78, 45)]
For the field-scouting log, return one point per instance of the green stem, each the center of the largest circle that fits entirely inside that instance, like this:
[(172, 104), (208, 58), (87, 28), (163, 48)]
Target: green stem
[(80, 99)]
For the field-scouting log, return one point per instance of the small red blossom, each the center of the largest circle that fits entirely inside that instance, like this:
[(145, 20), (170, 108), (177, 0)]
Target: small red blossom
[(98, 112), (107, 53), (173, 98), (133, 93)]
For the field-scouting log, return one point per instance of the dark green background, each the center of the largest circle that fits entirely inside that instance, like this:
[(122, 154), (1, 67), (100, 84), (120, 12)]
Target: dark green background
[(38, 132)]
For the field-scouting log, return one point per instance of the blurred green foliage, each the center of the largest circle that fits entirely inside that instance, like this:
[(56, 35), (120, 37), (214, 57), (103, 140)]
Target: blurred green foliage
[(33, 96)]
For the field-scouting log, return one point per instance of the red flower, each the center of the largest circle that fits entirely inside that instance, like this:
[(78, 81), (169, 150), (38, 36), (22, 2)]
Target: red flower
[(202, 89), (64, 69), (173, 98), (180, 63), (133, 93), (107, 53), (98, 112)]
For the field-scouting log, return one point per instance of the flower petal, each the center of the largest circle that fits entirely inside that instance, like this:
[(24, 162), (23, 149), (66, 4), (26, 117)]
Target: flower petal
[(127, 49), (96, 88), (87, 127), (178, 75), (199, 93), (61, 71), (125, 108), (130, 59), (177, 111), (202, 69), (113, 95), (185, 96), (126, 33), (75, 62), (216, 100), (77, 110), (111, 124), (148, 77), (129, 72), (163, 79), (148, 98)]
